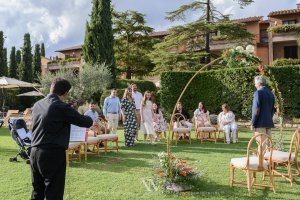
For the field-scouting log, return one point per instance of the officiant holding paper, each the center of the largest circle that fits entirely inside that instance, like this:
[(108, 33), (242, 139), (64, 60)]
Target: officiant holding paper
[(51, 119)]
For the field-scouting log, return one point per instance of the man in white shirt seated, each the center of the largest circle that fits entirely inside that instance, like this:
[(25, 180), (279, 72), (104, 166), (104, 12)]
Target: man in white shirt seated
[(137, 97), (92, 113)]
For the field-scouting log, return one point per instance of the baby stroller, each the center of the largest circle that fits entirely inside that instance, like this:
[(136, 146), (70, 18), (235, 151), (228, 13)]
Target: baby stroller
[(20, 133)]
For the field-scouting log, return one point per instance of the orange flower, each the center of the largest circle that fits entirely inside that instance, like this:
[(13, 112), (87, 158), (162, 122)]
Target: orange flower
[(182, 162), (178, 164), (226, 52), (188, 168), (173, 158), (161, 174), (183, 173), (261, 70)]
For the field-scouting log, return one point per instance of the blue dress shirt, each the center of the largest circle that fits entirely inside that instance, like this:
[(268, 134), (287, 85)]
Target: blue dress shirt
[(111, 105)]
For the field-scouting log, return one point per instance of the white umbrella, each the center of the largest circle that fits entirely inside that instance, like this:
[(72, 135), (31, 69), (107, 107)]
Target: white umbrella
[(6, 82), (31, 94)]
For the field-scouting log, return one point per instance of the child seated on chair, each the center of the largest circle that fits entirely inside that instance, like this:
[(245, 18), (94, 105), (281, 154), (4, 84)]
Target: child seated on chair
[(201, 116), (227, 123), (158, 122), (181, 110)]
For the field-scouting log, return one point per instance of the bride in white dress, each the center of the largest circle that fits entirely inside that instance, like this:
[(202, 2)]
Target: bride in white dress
[(147, 117)]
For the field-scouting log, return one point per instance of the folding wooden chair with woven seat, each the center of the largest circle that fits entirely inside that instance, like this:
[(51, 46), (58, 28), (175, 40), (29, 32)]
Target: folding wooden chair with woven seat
[(201, 131), (255, 163), (107, 137), (91, 141), (287, 159), (179, 126), (73, 146), (221, 130)]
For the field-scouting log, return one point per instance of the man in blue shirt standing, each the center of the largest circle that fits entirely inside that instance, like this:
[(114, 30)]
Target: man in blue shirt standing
[(112, 111), (262, 108)]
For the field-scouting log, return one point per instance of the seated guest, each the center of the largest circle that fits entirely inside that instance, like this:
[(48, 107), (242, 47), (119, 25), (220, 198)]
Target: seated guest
[(92, 113), (201, 115), (227, 123), (184, 112)]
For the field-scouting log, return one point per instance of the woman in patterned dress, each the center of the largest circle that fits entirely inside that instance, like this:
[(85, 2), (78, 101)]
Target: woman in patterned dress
[(129, 118), (158, 122)]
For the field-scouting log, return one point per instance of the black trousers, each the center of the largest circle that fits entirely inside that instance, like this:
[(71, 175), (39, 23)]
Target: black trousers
[(48, 171)]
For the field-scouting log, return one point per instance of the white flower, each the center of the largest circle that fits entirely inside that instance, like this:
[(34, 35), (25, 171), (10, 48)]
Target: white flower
[(250, 48), (239, 48)]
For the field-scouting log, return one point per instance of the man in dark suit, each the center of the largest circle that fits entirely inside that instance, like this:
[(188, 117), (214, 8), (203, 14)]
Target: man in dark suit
[(51, 119), (262, 108)]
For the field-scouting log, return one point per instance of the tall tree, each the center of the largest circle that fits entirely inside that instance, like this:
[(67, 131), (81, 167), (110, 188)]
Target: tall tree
[(5, 62), (2, 65), (25, 67), (98, 45), (43, 53), (132, 43), (13, 63), (18, 56), (209, 15), (36, 63)]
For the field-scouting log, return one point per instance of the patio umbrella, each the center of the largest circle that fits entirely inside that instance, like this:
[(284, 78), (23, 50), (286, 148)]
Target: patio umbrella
[(6, 82), (31, 94)]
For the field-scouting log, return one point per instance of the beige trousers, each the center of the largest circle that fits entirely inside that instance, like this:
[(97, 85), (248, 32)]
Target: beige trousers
[(113, 120)]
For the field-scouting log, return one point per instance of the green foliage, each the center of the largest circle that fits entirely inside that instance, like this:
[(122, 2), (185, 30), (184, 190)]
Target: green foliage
[(25, 67), (285, 62), (18, 56), (232, 86), (93, 79), (235, 58), (98, 41), (132, 43), (2, 59), (5, 62), (12, 63), (43, 49), (36, 63)]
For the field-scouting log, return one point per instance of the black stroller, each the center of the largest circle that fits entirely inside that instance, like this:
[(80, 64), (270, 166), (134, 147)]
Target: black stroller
[(23, 143)]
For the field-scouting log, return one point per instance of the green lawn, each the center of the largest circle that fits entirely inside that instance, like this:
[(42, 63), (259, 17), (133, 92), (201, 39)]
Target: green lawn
[(120, 175)]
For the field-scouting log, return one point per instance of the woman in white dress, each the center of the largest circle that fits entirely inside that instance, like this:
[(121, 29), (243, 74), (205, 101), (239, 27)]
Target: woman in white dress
[(227, 122), (147, 117)]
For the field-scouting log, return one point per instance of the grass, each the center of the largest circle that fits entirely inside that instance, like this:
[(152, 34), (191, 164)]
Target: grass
[(121, 175)]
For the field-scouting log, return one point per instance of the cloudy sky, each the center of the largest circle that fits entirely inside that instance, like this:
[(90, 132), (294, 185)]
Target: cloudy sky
[(61, 23)]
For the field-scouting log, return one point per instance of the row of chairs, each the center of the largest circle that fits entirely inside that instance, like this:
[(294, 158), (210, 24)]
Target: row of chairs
[(26, 115), (264, 158), (202, 133), (96, 136)]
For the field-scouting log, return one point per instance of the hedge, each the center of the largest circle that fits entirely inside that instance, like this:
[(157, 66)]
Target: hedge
[(285, 62), (232, 86), (142, 86)]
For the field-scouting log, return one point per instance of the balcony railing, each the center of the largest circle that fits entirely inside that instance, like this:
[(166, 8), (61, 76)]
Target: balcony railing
[(284, 37), (66, 65)]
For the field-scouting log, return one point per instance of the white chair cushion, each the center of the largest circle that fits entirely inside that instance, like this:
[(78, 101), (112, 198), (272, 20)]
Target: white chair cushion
[(206, 129), (73, 144), (280, 155), (92, 139), (107, 136), (181, 130), (253, 163)]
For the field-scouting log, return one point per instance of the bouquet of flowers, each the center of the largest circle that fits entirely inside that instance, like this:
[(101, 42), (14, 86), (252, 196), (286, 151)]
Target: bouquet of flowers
[(180, 174)]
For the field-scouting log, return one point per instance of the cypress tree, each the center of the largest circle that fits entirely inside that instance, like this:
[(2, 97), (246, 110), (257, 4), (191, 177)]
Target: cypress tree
[(36, 63), (12, 63), (98, 41), (25, 67), (43, 49), (18, 56), (5, 62), (2, 67)]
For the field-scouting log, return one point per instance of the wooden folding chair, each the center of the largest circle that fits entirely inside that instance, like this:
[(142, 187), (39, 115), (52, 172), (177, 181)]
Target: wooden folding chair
[(201, 131), (255, 163), (106, 137), (179, 126), (73, 146), (287, 159)]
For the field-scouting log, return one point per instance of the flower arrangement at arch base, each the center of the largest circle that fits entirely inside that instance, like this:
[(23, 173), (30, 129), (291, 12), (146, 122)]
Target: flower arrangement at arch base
[(181, 178)]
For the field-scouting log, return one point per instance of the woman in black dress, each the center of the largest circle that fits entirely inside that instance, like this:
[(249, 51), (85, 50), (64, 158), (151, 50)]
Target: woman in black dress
[(129, 118)]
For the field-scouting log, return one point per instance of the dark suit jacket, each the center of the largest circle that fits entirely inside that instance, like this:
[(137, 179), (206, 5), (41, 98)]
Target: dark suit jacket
[(263, 108), (51, 120)]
